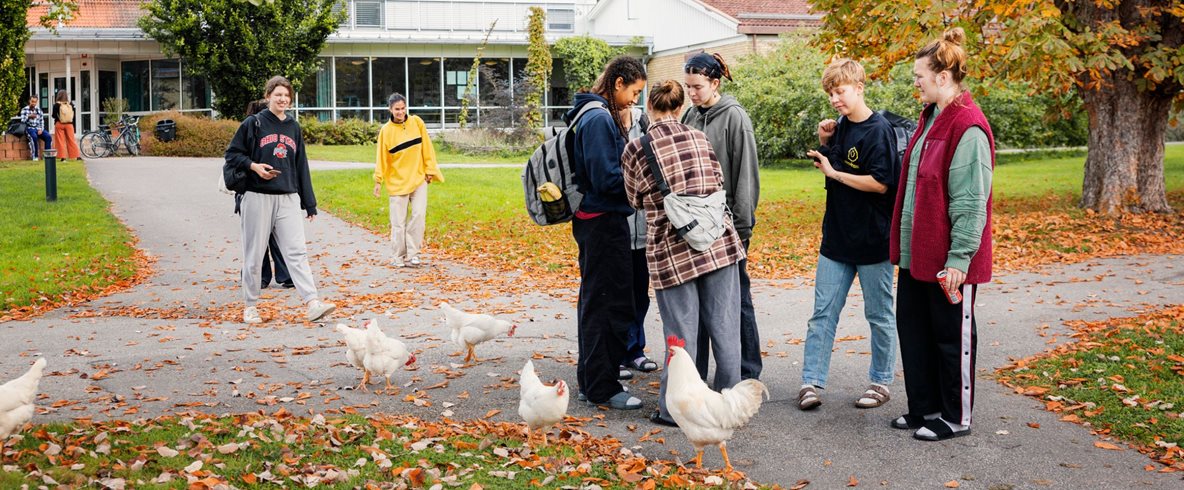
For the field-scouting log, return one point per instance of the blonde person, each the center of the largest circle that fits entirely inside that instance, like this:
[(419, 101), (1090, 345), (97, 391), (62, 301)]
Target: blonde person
[(941, 224), (63, 126), (269, 147), (859, 162), (694, 288), (729, 129), (405, 164)]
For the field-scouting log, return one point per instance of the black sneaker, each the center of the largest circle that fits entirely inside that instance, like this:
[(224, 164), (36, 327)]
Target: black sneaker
[(287, 285)]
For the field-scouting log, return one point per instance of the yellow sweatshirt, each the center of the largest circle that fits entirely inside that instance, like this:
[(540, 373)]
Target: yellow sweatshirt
[(405, 157)]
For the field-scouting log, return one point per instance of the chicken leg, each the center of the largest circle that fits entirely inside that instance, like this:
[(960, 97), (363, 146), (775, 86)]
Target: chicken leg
[(699, 458), (723, 451), (471, 356), (365, 381)]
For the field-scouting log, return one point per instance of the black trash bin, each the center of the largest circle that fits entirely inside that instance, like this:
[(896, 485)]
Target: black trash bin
[(166, 130)]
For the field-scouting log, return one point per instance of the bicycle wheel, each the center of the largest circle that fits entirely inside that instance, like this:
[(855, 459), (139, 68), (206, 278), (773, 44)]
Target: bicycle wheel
[(94, 145), (132, 142)]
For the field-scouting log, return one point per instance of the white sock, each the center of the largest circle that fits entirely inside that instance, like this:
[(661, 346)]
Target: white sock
[(925, 432)]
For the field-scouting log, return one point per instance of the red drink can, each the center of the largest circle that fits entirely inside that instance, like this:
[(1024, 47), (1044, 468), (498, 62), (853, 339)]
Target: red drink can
[(954, 297)]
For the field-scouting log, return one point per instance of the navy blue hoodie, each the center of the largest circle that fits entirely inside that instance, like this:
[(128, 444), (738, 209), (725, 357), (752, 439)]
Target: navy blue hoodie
[(597, 159)]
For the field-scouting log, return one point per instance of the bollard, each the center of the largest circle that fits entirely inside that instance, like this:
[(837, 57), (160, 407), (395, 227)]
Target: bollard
[(51, 175)]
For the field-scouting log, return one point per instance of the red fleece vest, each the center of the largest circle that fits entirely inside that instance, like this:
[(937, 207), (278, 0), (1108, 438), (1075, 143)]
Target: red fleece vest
[(930, 240)]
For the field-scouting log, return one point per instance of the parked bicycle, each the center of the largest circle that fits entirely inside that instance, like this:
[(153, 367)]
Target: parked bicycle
[(99, 143)]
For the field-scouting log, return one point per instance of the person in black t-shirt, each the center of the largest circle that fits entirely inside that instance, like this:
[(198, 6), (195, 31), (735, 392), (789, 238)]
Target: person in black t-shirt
[(858, 157)]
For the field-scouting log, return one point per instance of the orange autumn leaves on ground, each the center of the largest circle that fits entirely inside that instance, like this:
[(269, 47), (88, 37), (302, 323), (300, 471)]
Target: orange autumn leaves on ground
[(111, 283), (1122, 377), (1028, 233), (332, 449)]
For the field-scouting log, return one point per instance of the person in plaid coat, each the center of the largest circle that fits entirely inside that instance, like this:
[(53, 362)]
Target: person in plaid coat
[(693, 288), (34, 120)]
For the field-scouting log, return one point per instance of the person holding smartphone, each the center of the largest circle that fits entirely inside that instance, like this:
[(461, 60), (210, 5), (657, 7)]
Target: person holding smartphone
[(270, 147), (859, 160)]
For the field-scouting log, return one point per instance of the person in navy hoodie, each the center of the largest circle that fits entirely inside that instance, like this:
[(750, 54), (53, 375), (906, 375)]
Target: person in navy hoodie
[(605, 310)]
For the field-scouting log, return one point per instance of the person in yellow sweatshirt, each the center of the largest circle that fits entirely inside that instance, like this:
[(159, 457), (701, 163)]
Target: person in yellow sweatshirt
[(405, 164)]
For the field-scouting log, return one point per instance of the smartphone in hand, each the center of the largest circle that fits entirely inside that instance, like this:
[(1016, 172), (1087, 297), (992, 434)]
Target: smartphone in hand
[(274, 172)]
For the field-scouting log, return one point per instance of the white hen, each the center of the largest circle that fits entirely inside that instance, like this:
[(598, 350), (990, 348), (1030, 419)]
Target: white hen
[(355, 350), (470, 329), (705, 416), (16, 400), (541, 406), (384, 355)]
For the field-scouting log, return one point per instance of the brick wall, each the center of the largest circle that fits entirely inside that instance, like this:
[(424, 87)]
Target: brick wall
[(670, 66), (14, 148)]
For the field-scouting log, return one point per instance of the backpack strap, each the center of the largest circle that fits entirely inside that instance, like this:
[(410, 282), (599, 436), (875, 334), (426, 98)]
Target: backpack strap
[(653, 164), (584, 110)]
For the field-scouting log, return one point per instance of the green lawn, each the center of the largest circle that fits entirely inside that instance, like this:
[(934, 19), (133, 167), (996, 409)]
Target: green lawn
[(1124, 377), (48, 250), (365, 153), (478, 215), (254, 451)]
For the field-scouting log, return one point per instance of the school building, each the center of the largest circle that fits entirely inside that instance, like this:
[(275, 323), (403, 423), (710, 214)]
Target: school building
[(421, 48)]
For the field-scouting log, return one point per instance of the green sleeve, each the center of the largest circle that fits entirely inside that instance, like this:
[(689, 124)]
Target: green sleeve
[(969, 187)]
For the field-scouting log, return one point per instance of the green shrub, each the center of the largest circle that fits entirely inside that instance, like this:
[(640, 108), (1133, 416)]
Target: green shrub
[(782, 92), (339, 132), (196, 136), (487, 142)]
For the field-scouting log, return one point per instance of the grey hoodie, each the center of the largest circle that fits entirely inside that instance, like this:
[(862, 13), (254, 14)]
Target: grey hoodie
[(729, 130)]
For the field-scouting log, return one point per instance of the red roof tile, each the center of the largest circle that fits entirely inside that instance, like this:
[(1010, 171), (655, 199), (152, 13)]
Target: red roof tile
[(95, 14), (766, 16)]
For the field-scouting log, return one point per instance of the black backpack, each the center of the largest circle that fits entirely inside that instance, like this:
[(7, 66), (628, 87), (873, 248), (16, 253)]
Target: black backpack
[(234, 178), (903, 128)]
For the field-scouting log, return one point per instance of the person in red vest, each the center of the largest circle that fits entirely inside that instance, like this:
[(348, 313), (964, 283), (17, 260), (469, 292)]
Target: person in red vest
[(941, 239)]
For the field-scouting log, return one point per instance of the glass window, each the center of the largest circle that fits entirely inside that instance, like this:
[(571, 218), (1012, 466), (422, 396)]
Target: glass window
[(135, 85), (353, 82), (43, 91), (166, 84), (431, 118), (494, 77), (389, 77), (316, 90), (320, 115), (423, 83), (83, 96), (561, 20), (367, 13), (363, 114), (559, 93), (108, 83), (456, 76), (197, 92)]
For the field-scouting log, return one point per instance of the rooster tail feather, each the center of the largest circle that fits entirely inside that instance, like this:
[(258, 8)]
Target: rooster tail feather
[(745, 400)]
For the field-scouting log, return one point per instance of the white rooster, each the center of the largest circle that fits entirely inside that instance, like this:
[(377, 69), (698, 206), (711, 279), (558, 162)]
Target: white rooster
[(705, 416), (384, 355), (355, 350), (16, 400), (470, 329), (541, 406)]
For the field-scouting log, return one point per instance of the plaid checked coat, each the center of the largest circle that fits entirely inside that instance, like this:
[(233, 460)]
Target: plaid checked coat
[(690, 168)]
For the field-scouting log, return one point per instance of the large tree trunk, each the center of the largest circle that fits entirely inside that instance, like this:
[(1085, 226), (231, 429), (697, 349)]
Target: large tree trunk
[(1124, 168)]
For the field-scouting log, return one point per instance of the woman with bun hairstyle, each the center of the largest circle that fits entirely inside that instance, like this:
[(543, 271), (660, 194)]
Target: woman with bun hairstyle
[(604, 311), (694, 289), (729, 129), (941, 239)]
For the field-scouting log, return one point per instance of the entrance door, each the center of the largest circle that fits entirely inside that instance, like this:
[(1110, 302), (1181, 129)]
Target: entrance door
[(81, 99)]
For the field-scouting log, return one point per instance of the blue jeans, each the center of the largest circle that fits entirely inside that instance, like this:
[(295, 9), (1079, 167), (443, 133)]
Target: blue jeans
[(832, 281), (34, 134)]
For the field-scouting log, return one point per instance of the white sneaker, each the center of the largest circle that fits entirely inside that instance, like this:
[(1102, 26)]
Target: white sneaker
[(398, 263), (251, 315), (415, 262), (318, 309)]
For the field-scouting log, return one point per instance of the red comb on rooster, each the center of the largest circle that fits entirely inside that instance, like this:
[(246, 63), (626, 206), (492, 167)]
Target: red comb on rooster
[(673, 341)]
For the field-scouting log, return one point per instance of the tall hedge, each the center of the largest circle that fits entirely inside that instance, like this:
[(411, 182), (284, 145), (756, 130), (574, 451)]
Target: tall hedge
[(782, 92)]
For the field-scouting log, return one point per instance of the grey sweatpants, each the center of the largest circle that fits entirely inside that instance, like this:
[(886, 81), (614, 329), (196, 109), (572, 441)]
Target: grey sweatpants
[(260, 213), (712, 300)]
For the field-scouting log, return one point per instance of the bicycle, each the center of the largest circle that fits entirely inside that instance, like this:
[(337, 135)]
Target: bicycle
[(99, 143)]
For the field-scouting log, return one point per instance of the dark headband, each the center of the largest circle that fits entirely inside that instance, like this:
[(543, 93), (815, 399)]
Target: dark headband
[(706, 64)]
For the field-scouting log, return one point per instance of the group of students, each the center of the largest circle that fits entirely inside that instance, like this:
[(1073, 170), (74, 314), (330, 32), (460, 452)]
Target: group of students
[(63, 115), (929, 215)]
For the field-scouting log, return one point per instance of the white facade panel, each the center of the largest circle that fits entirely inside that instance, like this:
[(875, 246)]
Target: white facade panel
[(671, 23)]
